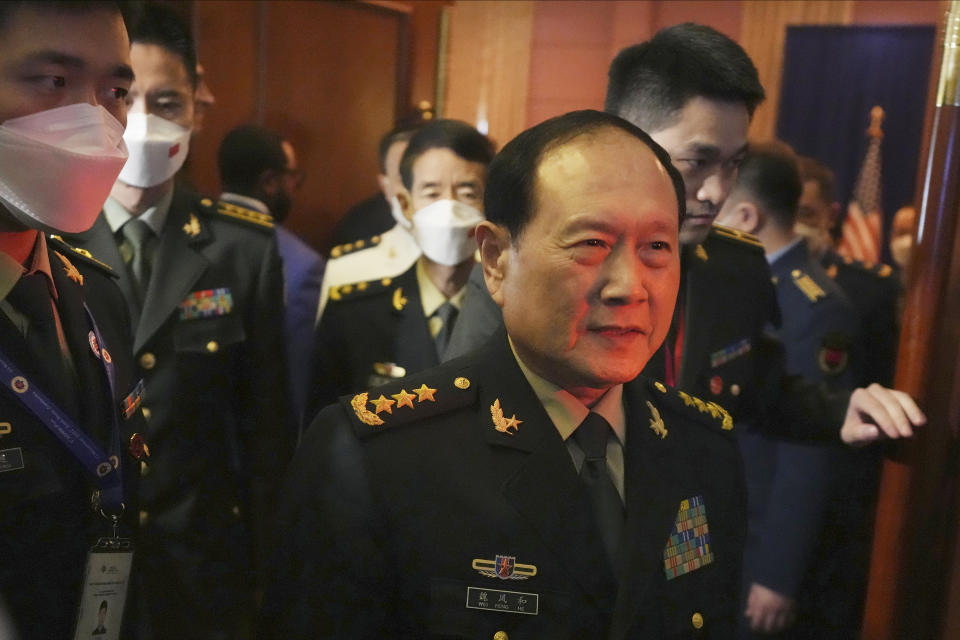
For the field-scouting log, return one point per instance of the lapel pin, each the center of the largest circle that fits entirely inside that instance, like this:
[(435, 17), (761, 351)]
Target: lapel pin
[(656, 422), (192, 228), (69, 269), (502, 424), (399, 302), (503, 567)]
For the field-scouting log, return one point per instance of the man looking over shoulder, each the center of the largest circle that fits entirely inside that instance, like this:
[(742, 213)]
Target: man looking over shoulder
[(69, 407), (537, 487)]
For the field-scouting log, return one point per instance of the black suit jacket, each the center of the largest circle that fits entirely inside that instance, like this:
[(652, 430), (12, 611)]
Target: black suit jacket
[(387, 527), (46, 521), (215, 400)]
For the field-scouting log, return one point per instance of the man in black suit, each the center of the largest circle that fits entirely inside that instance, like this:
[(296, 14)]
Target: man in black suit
[(204, 280), (387, 327), (537, 487), (64, 331)]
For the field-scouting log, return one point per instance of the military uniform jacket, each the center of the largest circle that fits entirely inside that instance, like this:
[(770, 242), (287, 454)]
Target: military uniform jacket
[(729, 356), (423, 519), (873, 290), (369, 333), (790, 484), (210, 346), (46, 521)]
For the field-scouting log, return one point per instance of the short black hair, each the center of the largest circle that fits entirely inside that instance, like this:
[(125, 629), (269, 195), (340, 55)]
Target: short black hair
[(648, 83), (11, 7), (461, 138), (103, 605), (402, 132), (812, 170), (769, 176), (245, 153), (511, 181), (160, 25)]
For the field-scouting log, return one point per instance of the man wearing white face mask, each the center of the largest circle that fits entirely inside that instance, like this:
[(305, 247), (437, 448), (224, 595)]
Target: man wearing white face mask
[(375, 330), (206, 284), (69, 403)]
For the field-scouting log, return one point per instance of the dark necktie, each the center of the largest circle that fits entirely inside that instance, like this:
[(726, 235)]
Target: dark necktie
[(592, 436), (140, 237), (31, 297), (448, 314)]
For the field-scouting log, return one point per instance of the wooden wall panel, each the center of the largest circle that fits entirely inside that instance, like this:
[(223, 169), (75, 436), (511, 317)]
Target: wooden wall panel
[(489, 64)]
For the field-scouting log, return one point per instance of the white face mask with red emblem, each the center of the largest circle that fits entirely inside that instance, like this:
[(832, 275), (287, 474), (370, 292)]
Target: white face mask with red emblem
[(158, 148), (57, 166)]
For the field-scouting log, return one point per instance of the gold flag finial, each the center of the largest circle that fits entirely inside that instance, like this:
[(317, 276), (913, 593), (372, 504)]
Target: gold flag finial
[(877, 115)]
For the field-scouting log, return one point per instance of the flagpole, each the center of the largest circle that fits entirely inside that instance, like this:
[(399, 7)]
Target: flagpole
[(914, 585)]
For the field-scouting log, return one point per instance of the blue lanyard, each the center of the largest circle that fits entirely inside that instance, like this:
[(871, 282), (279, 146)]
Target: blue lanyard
[(86, 451)]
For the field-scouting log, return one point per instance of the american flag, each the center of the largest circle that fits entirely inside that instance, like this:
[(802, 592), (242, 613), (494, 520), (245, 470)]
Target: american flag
[(863, 226)]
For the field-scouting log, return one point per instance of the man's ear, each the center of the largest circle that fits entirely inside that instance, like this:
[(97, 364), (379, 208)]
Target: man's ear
[(744, 216), (406, 203), (384, 183), (494, 243), (269, 182)]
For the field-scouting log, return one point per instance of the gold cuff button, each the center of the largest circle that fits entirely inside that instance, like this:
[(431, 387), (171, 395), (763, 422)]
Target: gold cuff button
[(148, 360), (212, 346), (697, 620), (501, 635)]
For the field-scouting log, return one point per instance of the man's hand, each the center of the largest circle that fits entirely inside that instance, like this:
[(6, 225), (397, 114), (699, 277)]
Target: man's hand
[(769, 611), (877, 411)]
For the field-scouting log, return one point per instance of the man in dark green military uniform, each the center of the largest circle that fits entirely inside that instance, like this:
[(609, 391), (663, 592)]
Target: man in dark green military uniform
[(536, 488), (64, 331), (205, 283)]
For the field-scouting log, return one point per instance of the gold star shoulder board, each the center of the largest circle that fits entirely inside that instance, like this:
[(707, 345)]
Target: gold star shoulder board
[(704, 413), (350, 247), (735, 235), (78, 255), (235, 213), (807, 286), (409, 401), (355, 290)]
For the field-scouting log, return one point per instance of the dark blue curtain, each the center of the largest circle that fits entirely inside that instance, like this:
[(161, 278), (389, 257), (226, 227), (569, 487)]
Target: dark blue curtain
[(832, 77)]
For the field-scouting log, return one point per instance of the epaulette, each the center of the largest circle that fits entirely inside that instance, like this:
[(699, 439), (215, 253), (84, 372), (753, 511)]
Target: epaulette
[(807, 285), (709, 413), (76, 253), (355, 290), (344, 249), (874, 268), (408, 401), (735, 235), (263, 221)]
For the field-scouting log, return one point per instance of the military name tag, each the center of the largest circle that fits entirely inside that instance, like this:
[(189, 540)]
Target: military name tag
[(504, 601), (11, 459), (105, 590)]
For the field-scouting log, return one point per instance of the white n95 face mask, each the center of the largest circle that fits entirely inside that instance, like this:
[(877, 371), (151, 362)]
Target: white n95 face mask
[(57, 166), (158, 148), (445, 231)]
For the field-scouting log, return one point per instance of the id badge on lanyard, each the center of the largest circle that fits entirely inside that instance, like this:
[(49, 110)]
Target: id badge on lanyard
[(109, 561)]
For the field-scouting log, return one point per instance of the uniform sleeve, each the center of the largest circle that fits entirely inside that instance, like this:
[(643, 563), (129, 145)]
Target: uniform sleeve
[(330, 577), (269, 443), (328, 382)]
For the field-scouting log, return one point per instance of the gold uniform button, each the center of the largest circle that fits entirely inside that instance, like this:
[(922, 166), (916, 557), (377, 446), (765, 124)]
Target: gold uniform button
[(206, 202), (660, 387), (212, 346), (697, 620), (236, 510), (146, 412), (463, 383), (148, 360), (144, 517), (735, 389), (144, 471), (501, 635)]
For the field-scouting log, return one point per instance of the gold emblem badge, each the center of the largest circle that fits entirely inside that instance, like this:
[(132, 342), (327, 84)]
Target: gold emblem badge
[(502, 424), (656, 422), (359, 404), (399, 302), (69, 269), (192, 228)]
